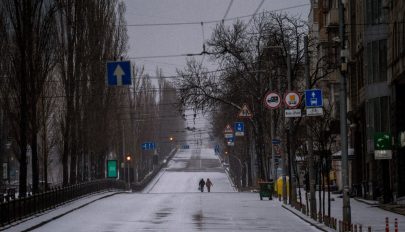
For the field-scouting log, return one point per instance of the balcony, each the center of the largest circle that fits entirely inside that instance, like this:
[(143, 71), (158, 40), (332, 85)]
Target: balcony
[(332, 18)]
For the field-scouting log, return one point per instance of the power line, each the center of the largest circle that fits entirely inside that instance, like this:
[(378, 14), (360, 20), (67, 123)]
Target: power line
[(212, 21), (227, 10), (257, 9)]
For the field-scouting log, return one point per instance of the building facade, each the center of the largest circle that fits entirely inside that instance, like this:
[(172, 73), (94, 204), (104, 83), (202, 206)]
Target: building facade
[(396, 81), (375, 35)]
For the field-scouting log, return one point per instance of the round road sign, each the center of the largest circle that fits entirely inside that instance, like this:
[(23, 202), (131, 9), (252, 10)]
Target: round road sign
[(272, 100), (292, 99)]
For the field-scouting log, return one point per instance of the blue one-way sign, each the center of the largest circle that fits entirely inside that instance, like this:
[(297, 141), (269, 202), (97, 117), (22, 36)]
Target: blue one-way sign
[(119, 73), (313, 98)]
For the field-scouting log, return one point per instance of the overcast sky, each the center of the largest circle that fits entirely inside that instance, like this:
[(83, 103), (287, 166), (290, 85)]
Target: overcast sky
[(166, 40)]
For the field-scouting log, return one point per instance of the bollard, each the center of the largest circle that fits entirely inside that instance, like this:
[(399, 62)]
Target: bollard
[(396, 225), (369, 229), (387, 227), (360, 228)]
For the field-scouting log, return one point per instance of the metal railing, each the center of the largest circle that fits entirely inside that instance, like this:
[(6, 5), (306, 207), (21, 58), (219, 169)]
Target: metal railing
[(17, 209)]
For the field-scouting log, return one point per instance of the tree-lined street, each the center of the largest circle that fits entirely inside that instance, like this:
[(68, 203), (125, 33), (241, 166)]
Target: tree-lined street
[(172, 202)]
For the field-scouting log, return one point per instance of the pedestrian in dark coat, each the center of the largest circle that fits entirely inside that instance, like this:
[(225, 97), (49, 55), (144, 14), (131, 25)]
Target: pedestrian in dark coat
[(209, 184), (201, 184)]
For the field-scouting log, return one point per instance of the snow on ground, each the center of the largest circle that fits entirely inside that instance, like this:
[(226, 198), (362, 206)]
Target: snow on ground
[(180, 212), (365, 214), (172, 202), (183, 182)]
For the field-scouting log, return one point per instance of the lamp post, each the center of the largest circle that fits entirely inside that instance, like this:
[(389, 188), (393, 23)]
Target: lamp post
[(128, 162), (343, 116)]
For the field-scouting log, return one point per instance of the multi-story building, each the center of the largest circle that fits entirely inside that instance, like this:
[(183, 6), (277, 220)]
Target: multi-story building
[(324, 34), (371, 96), (396, 81), (375, 35)]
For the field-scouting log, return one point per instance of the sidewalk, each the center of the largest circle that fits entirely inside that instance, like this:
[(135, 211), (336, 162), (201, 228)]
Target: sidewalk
[(37, 220), (363, 212), (394, 208)]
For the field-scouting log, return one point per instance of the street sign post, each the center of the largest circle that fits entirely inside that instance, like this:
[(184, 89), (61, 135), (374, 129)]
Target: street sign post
[(228, 131), (314, 111), (231, 141), (292, 100), (313, 98), (112, 169), (148, 146), (245, 112), (239, 129), (272, 100), (292, 113), (382, 146), (119, 73)]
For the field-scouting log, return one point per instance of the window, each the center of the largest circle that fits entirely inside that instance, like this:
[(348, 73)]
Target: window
[(376, 52), (374, 13), (382, 44), (378, 116)]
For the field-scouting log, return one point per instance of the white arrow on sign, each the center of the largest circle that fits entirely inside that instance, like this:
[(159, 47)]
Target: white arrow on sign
[(118, 72)]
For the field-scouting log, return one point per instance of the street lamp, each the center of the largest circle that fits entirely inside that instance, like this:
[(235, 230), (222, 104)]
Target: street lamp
[(129, 161)]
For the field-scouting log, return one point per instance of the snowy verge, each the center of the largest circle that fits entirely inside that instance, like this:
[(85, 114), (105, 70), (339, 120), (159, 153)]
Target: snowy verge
[(38, 220), (309, 220)]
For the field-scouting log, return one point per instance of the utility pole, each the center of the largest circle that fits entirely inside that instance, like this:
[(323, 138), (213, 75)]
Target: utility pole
[(343, 116), (311, 169), (284, 159)]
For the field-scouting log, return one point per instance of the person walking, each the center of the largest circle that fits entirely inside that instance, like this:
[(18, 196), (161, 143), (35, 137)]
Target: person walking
[(209, 184), (201, 184)]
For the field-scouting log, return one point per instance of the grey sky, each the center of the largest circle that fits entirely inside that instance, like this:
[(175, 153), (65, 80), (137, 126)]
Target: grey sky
[(146, 41)]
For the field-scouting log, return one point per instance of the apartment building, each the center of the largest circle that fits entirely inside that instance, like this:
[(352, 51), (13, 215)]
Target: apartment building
[(375, 35), (396, 82)]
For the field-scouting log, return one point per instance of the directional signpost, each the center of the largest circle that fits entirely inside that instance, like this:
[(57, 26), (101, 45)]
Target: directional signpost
[(119, 73), (239, 129), (148, 146), (382, 146), (314, 102)]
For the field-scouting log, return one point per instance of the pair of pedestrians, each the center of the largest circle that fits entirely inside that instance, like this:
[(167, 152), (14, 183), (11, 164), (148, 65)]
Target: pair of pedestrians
[(203, 183)]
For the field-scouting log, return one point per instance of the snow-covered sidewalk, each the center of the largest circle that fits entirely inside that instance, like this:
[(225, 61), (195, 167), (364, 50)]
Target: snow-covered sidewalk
[(365, 213), (42, 218)]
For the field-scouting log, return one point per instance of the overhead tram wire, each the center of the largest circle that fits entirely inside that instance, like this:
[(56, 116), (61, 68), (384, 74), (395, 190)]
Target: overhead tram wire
[(215, 20), (257, 9), (227, 10)]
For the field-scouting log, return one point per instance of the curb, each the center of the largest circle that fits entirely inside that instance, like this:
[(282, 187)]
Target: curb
[(318, 225)]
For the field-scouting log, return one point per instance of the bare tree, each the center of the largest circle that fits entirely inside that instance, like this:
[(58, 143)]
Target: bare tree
[(29, 29), (246, 54)]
